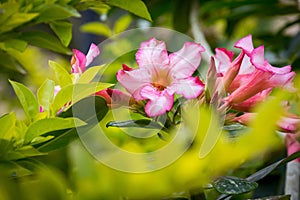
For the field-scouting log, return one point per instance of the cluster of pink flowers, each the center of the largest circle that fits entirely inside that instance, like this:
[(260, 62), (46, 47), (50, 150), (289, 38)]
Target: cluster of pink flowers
[(241, 82)]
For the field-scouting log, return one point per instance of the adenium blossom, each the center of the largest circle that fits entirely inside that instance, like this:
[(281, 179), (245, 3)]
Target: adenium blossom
[(115, 98), (292, 144), (80, 61), (159, 75), (250, 75), (288, 123)]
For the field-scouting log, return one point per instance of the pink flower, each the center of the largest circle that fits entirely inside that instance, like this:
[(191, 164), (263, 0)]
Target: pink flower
[(79, 61), (249, 77), (115, 98), (159, 75), (293, 144), (288, 123)]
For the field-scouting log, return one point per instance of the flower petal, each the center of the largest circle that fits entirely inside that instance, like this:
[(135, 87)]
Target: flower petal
[(224, 57), (152, 53), (283, 80), (190, 87), (159, 101), (78, 61), (184, 62), (245, 44), (134, 80), (92, 53)]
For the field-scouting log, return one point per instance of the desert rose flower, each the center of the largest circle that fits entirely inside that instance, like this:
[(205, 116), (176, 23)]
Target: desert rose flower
[(159, 75), (80, 61), (249, 77), (115, 98), (288, 123)]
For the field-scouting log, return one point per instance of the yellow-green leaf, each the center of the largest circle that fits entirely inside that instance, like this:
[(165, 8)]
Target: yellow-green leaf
[(96, 28), (43, 126)]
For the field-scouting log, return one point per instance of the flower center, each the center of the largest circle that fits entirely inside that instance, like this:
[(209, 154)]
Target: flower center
[(161, 79), (159, 86)]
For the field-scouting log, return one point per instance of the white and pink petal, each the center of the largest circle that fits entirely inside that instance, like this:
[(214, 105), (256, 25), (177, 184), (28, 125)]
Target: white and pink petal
[(159, 101), (184, 62), (134, 80), (92, 53), (189, 88), (151, 54)]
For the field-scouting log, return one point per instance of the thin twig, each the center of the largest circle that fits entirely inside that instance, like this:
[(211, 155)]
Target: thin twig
[(197, 33)]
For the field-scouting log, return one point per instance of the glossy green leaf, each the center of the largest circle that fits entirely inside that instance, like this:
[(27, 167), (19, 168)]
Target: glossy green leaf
[(89, 74), (27, 99), (43, 126), (24, 152), (9, 63), (51, 12), (16, 20), (234, 185), (8, 9), (96, 28), (122, 24), (74, 93), (7, 124), (136, 7), (45, 94), (90, 110), (45, 40), (63, 78), (140, 123), (17, 44), (63, 29), (267, 170)]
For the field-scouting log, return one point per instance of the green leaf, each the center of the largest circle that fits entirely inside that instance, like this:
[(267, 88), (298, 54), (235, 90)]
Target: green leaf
[(16, 20), (45, 40), (234, 185), (45, 94), (267, 170), (122, 24), (43, 126), (52, 12), (90, 110), (140, 123), (63, 29), (24, 152), (17, 44), (63, 78), (89, 74), (96, 28), (8, 9), (76, 92), (7, 124), (136, 7), (27, 99)]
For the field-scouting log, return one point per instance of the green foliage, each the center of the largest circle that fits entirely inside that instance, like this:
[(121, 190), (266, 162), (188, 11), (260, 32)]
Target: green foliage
[(43, 126), (136, 7), (234, 185), (27, 100), (99, 28), (62, 76), (17, 17), (45, 94)]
